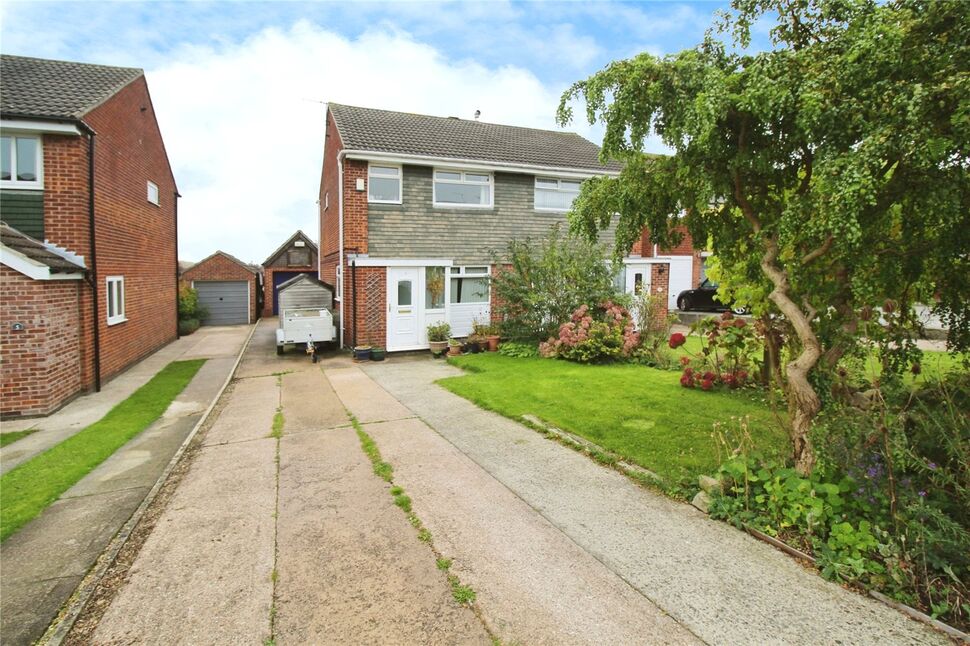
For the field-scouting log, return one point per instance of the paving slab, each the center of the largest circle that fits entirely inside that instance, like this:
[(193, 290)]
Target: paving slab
[(351, 569), (535, 585), (248, 415), (205, 573), (310, 403), (723, 585), (45, 559), (367, 404)]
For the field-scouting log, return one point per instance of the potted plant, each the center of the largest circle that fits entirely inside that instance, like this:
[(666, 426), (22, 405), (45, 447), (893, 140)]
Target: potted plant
[(362, 353), (474, 343), (438, 334), (454, 347), (377, 354), (488, 334)]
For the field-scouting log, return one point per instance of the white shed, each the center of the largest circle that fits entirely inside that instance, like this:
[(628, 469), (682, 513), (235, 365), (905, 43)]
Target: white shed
[(305, 292)]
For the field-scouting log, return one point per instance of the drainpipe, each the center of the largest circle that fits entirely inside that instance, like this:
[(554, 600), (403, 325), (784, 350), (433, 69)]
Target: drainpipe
[(340, 238), (176, 201), (94, 265)]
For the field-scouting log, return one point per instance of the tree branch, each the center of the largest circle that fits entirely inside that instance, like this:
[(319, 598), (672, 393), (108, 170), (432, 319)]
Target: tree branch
[(814, 255)]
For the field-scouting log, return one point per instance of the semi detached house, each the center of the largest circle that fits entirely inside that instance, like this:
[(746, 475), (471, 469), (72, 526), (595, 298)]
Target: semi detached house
[(415, 210), (88, 257)]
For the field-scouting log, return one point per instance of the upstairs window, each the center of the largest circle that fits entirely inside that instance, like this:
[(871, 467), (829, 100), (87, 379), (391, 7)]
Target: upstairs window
[(21, 162), (553, 194), (384, 184), (153, 193), (458, 188), (116, 299)]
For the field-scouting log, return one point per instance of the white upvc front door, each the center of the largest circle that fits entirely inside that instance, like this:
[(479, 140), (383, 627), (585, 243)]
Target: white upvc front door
[(637, 282), (405, 291)]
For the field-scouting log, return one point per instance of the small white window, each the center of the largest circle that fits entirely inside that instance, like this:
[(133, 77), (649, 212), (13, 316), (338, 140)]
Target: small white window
[(153, 193), (469, 285), (326, 200), (116, 299), (553, 194), (384, 184), (456, 188), (21, 162)]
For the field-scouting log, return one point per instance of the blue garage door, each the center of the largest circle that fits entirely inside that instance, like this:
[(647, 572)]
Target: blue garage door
[(280, 277)]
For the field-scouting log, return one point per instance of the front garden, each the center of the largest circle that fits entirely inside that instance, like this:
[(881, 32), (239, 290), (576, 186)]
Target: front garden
[(885, 507)]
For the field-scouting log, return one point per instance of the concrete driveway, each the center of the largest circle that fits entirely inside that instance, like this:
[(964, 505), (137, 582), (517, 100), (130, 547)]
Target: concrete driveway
[(293, 539), (46, 559)]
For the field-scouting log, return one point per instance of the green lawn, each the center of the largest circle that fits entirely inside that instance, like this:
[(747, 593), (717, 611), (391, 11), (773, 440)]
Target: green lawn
[(28, 489), (640, 413), (13, 436)]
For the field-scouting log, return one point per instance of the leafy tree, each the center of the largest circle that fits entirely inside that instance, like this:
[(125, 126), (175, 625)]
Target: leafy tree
[(546, 281), (832, 169)]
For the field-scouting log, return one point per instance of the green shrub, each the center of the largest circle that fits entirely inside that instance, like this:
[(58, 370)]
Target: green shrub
[(189, 307), (188, 326), (547, 281), (517, 349), (438, 332)]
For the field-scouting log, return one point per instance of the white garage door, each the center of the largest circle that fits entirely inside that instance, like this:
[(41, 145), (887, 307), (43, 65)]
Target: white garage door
[(681, 277), (227, 301)]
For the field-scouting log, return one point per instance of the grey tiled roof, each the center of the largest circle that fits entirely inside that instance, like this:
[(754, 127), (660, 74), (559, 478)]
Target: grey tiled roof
[(405, 133), (41, 88), (36, 250)]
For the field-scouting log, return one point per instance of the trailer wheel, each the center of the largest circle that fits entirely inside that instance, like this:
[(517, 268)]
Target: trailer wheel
[(313, 357), (279, 349)]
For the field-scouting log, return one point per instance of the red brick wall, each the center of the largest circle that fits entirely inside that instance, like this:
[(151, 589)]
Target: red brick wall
[(135, 239), (685, 248), (371, 311), (659, 282), (219, 267), (40, 368), (329, 206)]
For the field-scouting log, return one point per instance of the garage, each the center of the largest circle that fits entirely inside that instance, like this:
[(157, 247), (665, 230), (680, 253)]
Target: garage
[(227, 301)]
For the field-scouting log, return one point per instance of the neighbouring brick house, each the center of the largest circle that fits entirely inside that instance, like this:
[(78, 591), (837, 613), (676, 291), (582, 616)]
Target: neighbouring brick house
[(230, 290), (298, 255), (413, 207), (85, 177)]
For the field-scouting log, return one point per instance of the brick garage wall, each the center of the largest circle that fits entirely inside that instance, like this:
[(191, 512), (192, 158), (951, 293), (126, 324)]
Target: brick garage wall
[(40, 367), (660, 282), (219, 267), (685, 248), (135, 239)]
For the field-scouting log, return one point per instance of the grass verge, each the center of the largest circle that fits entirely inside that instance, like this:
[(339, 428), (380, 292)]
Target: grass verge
[(28, 489), (13, 436)]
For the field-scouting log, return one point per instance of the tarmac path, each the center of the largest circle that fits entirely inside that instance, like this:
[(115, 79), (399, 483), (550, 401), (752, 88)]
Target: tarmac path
[(294, 539)]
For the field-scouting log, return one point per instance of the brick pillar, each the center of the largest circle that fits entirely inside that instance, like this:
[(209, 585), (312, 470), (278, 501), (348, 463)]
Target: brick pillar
[(660, 282)]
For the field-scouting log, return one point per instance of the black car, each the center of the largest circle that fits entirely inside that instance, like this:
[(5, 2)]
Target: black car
[(704, 298)]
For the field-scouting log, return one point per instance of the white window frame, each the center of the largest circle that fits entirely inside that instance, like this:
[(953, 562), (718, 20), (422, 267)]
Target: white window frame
[(558, 189), (456, 271), (451, 205), (35, 185), (400, 183), (152, 185), (119, 314)]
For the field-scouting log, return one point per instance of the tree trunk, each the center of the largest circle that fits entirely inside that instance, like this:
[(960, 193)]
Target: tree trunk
[(803, 401)]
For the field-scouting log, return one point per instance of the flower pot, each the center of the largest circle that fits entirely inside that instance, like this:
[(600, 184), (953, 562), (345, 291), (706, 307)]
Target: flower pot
[(492, 342), (362, 353), (454, 350), (438, 347), (377, 354)]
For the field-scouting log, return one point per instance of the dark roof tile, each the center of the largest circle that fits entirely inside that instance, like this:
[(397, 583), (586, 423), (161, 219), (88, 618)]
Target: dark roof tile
[(41, 88), (36, 251), (406, 133)]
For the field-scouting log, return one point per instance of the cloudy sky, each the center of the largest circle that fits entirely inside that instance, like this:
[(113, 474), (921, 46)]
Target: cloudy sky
[(240, 87)]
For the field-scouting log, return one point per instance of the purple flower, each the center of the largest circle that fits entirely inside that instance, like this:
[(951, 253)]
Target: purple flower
[(932, 466), (922, 494)]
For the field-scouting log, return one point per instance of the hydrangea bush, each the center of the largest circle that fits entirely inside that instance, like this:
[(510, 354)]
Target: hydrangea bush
[(729, 356), (594, 335)]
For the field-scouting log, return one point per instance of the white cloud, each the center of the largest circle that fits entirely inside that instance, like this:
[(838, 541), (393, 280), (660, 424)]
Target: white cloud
[(243, 123)]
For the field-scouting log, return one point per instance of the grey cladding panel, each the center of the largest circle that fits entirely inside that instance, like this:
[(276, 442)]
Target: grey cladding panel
[(227, 301), (416, 229), (24, 211)]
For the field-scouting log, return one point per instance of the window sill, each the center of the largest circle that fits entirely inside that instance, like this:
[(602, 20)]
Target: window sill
[(22, 186), (116, 321), (398, 203), (461, 207)]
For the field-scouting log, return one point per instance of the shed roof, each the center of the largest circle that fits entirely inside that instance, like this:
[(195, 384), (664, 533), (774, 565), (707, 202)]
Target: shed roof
[(299, 235), (406, 133)]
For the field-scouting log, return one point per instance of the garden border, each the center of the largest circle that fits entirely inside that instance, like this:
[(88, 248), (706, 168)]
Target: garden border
[(61, 626)]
